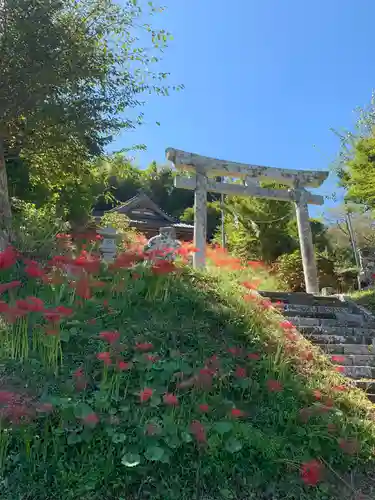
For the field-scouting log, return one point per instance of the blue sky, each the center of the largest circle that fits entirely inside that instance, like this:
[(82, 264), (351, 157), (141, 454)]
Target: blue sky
[(265, 81)]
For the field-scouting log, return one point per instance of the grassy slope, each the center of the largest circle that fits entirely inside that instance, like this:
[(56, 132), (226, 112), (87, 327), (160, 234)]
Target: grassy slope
[(188, 319), (365, 298)]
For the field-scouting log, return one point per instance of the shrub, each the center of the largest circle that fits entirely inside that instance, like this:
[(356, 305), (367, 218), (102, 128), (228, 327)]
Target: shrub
[(289, 270), (34, 229)]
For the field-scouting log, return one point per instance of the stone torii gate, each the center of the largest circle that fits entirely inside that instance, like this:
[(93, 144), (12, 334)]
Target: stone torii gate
[(204, 169)]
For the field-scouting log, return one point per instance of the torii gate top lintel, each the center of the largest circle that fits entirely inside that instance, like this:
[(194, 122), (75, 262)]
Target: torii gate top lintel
[(214, 167)]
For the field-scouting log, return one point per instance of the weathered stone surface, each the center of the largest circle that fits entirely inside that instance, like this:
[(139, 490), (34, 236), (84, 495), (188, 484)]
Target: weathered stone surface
[(359, 371), (335, 339), (200, 220), (356, 360), (231, 189), (306, 241), (356, 349), (222, 168), (312, 309)]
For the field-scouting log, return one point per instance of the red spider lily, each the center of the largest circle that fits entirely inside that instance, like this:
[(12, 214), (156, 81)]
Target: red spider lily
[(110, 337), (91, 419), (105, 357), (251, 286), (8, 397), (204, 408), (170, 399), (63, 236), (278, 304), (249, 297), (340, 369), (151, 357), (274, 386), (255, 264), (236, 351), (287, 325), (34, 270), (87, 262), (52, 316), (146, 394), (339, 388), (78, 373), (105, 303), (8, 257), (123, 366), (9, 286), (60, 260), (307, 355), (349, 446), (337, 359), (311, 472), (63, 311), (12, 314), (126, 260), (163, 267), (144, 346), (31, 304), (236, 413), (82, 287), (240, 372), (291, 336), (204, 378), (4, 307), (254, 356), (329, 403), (266, 304), (198, 431), (317, 394)]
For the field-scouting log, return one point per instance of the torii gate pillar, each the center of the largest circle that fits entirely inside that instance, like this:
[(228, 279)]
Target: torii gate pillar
[(310, 269)]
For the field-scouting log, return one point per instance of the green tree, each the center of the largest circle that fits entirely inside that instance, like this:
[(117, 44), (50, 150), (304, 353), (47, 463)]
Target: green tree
[(68, 70), (258, 228), (356, 164), (213, 218)]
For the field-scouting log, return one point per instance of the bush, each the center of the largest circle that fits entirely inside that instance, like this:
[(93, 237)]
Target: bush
[(121, 223), (289, 270), (34, 229)]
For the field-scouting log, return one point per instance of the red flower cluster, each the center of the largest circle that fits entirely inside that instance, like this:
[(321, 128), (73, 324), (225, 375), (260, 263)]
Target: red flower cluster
[(170, 399), (146, 394), (110, 337), (274, 386), (311, 472), (8, 258), (198, 431)]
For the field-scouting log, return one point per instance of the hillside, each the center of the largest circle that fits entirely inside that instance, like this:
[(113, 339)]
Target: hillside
[(139, 381)]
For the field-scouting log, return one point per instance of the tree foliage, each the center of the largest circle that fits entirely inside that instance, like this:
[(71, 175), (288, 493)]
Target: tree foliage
[(70, 71), (356, 165)]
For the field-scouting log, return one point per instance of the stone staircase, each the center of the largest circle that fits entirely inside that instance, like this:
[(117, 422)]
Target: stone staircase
[(341, 328)]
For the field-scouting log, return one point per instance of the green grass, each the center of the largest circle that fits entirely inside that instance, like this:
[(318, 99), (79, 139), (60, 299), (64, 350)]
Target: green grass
[(365, 298), (150, 450)]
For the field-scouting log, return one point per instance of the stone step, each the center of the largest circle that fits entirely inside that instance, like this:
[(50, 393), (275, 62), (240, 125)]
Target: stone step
[(312, 309), (308, 314), (359, 371), (347, 349), (339, 330), (300, 321), (303, 299), (367, 385), (354, 359), (337, 339)]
